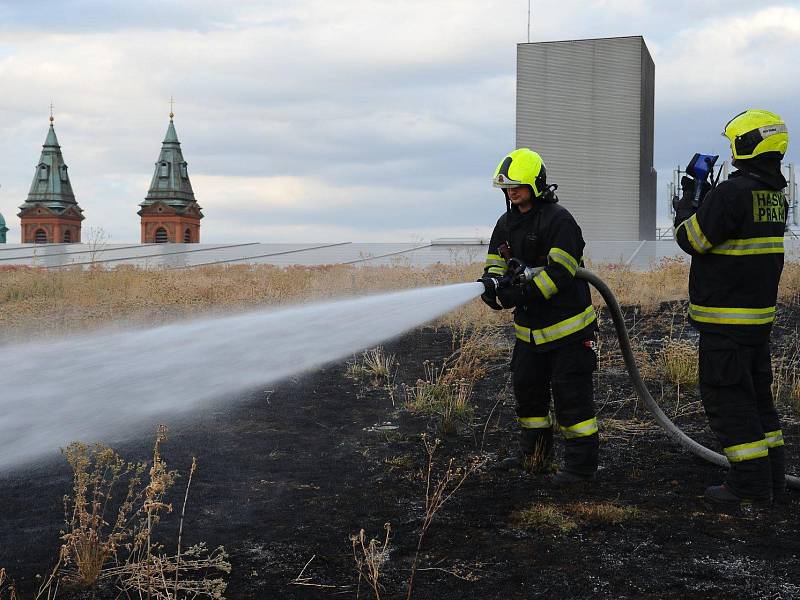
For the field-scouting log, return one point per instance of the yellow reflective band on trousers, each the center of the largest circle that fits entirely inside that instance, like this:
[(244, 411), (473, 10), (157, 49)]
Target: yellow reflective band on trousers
[(555, 332), (774, 438), (582, 429), (747, 451), (732, 316), (534, 422), (762, 245), (563, 258), (695, 235), (545, 284), (496, 270)]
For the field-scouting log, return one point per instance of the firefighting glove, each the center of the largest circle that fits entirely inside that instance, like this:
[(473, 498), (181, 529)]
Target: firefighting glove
[(490, 287), (521, 293), (505, 294), (684, 206)]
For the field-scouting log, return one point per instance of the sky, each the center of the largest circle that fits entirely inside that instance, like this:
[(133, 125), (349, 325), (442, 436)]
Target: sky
[(319, 121)]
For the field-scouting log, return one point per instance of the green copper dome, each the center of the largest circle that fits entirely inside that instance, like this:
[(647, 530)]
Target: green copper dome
[(51, 186), (3, 229)]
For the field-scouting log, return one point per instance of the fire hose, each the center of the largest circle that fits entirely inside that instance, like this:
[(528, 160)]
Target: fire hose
[(672, 430)]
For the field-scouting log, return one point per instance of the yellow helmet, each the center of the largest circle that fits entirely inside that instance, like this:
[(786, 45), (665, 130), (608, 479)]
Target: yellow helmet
[(754, 132), (521, 167)]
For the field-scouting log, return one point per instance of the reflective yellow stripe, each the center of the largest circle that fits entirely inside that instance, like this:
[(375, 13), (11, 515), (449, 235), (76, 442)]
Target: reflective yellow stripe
[(545, 284), (496, 270), (774, 438), (764, 245), (559, 330), (732, 316), (534, 422), (563, 258), (747, 451), (582, 429), (695, 235), (564, 328), (495, 260)]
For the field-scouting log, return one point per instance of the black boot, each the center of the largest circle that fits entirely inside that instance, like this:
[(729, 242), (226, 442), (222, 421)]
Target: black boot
[(568, 479), (721, 496), (535, 452), (581, 456)]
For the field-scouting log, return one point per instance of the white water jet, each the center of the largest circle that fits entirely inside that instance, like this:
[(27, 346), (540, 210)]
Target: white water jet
[(94, 386)]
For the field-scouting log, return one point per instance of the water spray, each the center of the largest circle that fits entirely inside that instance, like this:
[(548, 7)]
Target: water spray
[(103, 385)]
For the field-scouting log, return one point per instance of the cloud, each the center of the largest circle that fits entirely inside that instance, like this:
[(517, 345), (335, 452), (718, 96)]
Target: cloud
[(367, 119)]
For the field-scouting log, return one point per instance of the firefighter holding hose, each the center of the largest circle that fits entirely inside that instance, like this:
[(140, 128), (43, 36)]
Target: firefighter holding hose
[(735, 238), (554, 320)]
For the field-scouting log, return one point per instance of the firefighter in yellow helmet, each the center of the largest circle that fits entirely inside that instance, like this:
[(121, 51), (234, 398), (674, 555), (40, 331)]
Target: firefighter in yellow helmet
[(735, 238), (554, 320)]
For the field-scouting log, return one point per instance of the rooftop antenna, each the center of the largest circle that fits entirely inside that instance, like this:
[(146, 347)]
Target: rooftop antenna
[(529, 21)]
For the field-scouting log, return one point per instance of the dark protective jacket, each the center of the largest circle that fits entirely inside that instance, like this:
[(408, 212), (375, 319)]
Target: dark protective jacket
[(736, 242), (556, 308)]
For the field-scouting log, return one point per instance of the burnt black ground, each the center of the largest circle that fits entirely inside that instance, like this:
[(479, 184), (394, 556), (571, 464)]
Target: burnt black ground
[(287, 474)]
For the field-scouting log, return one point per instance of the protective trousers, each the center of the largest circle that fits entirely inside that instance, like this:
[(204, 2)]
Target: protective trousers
[(736, 389), (567, 372)]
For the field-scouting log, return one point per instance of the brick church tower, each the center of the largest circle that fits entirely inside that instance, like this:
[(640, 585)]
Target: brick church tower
[(169, 212), (51, 214)]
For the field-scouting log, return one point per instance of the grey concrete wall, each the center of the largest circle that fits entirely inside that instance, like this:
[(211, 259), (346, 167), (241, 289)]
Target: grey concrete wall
[(587, 107)]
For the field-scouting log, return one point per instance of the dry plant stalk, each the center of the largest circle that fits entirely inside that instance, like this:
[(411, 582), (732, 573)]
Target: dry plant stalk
[(373, 363), (438, 395), (437, 493), (370, 558), (88, 542), (7, 590), (140, 565), (786, 373), (678, 360)]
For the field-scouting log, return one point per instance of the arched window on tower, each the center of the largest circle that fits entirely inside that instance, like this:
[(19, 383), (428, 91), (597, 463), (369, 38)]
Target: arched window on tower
[(185, 170), (63, 170), (43, 172), (163, 169), (67, 237), (40, 237), (187, 236), (161, 236)]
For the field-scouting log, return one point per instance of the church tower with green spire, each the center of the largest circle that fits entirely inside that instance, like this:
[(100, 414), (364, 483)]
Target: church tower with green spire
[(169, 212), (3, 229), (50, 214)]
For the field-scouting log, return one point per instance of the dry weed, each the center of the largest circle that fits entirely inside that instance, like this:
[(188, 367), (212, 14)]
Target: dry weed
[(544, 516), (564, 519), (437, 493), (46, 302), (786, 373), (7, 589), (370, 558), (445, 390), (125, 552), (666, 281), (678, 362), (439, 396), (374, 364), (89, 541)]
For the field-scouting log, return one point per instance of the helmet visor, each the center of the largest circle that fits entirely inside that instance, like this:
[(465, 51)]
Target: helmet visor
[(504, 181)]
